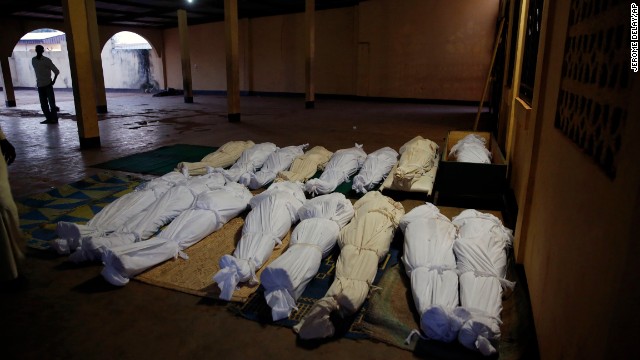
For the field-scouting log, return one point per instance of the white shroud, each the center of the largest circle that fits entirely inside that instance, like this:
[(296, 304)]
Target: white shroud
[(431, 265), (482, 266), (417, 167), (225, 156), (343, 164), (272, 214), (305, 166), (113, 216), (278, 161), (250, 160), (471, 148), (212, 209), (285, 279), (363, 242), (376, 167), (145, 224)]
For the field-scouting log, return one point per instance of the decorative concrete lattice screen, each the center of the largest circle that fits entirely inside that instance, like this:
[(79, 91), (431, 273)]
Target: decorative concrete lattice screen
[(594, 92)]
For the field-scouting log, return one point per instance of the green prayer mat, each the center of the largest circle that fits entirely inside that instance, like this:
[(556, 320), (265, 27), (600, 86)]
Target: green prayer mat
[(77, 202), (159, 161)]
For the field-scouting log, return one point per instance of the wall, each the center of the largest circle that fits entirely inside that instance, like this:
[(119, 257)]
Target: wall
[(417, 49), (278, 53), (336, 52), (428, 49), (582, 238), (207, 51)]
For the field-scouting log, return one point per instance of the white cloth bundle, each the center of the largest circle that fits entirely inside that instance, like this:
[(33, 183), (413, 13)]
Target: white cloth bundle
[(225, 156), (278, 161), (212, 209), (482, 265), (305, 166), (376, 167), (271, 216), (143, 225), (250, 160), (171, 178), (363, 242), (342, 165), (431, 265), (471, 148), (416, 169), (113, 216), (285, 279)]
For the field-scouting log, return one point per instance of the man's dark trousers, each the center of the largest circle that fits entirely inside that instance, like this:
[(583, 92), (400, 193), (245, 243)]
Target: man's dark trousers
[(48, 102)]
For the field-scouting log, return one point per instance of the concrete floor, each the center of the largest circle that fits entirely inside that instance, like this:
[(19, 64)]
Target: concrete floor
[(68, 311)]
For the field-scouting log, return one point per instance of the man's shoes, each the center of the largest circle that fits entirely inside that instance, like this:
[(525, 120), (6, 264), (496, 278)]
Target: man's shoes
[(50, 122)]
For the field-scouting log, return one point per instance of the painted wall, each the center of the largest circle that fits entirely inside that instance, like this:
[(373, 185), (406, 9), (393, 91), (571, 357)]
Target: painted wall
[(416, 49), (581, 249), (581, 229), (172, 65), (336, 51), (208, 56), (428, 49), (278, 53)]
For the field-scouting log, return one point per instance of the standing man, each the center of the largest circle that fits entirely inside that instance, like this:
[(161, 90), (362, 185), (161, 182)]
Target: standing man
[(43, 67)]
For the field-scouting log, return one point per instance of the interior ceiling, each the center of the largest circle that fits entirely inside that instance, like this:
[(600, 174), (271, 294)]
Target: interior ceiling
[(161, 14)]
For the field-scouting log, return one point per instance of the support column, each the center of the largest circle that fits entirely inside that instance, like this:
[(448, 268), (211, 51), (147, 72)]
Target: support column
[(310, 26), (82, 72), (233, 61), (183, 29), (96, 52), (164, 68), (7, 83)]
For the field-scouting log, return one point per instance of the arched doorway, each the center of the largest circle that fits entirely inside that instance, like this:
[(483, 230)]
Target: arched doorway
[(129, 62), (22, 75), (55, 48)]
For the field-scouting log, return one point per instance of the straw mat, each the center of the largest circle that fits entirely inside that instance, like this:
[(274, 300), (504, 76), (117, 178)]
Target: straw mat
[(195, 275)]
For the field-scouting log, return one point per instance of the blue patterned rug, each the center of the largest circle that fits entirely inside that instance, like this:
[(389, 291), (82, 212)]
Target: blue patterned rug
[(77, 202)]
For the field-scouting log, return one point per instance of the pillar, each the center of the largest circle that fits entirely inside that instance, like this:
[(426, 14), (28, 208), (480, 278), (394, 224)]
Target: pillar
[(185, 56), (7, 83), (310, 27), (82, 72), (233, 61), (96, 52)]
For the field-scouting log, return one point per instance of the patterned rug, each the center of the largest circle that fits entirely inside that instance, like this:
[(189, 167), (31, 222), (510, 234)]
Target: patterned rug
[(159, 161), (77, 202)]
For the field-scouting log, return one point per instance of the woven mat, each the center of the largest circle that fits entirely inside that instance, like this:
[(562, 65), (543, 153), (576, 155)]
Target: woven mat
[(195, 275)]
